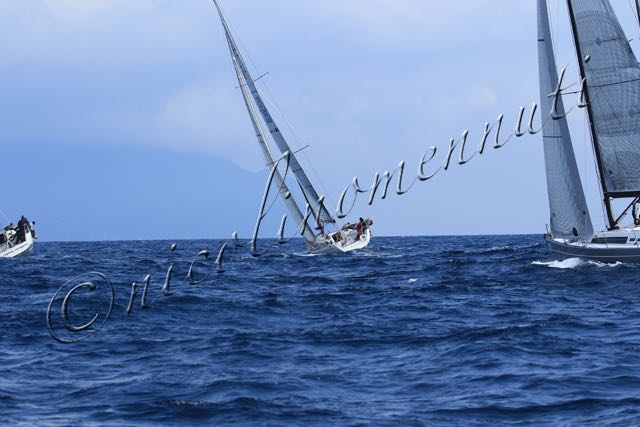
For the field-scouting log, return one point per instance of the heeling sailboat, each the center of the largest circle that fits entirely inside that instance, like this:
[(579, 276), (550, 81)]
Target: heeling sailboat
[(18, 241), (318, 240), (611, 76)]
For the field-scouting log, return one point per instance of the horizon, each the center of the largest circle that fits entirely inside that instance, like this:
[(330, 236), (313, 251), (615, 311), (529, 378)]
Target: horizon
[(222, 239)]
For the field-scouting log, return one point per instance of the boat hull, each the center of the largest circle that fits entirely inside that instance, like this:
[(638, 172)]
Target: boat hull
[(328, 246), (19, 249), (625, 253)]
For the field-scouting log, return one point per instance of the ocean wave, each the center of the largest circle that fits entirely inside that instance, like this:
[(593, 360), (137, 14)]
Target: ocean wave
[(574, 263), (390, 336)]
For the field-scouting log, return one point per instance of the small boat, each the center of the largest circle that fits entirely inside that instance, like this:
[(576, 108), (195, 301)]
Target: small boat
[(351, 237), (318, 239), (610, 74), (15, 243)]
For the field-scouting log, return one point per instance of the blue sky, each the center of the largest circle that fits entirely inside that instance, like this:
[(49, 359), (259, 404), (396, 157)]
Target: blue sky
[(123, 121)]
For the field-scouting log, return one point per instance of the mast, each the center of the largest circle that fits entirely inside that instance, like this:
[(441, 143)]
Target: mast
[(569, 214), (266, 152), (310, 194), (638, 9), (611, 222)]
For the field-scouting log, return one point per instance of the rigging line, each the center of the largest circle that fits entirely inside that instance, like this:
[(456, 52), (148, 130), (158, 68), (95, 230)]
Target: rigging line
[(254, 65), (557, 28), (248, 55), (275, 104), (237, 39), (299, 141), (554, 30), (5, 217), (634, 10), (230, 64), (584, 169), (282, 116), (294, 133)]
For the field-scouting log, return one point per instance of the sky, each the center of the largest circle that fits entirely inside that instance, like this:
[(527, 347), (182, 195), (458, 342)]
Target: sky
[(122, 120)]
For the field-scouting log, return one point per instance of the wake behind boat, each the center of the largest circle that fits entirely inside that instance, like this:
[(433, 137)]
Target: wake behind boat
[(350, 237), (611, 77)]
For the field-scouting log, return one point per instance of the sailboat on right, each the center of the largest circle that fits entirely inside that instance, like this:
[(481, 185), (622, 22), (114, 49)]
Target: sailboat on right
[(610, 75)]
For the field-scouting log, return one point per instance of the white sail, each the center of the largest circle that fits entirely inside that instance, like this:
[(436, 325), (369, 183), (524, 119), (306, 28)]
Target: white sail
[(292, 206), (288, 199), (310, 194), (567, 203)]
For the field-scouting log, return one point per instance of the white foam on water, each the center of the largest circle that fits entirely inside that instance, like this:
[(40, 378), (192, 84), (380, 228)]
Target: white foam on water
[(498, 248), (412, 280), (305, 254), (572, 263)]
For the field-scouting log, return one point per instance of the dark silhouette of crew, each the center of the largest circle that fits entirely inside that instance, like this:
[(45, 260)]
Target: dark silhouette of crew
[(23, 228)]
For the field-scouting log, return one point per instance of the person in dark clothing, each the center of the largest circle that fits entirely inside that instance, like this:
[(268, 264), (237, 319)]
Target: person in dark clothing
[(22, 222), (23, 228)]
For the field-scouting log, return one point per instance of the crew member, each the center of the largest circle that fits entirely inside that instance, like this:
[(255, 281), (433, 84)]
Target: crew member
[(23, 227), (9, 231)]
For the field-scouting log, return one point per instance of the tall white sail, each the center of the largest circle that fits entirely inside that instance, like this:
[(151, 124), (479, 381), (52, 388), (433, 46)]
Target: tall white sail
[(567, 203), (310, 194), (289, 201)]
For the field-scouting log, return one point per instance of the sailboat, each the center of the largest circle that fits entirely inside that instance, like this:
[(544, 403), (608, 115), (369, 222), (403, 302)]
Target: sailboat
[(14, 243), (318, 240), (611, 79)]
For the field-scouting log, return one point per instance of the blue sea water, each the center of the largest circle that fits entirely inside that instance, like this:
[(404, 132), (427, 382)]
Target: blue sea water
[(451, 331)]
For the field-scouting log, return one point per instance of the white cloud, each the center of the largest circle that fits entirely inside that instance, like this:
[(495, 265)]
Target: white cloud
[(349, 74), (203, 117)]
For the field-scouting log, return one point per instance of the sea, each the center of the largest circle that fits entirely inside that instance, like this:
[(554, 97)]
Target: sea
[(412, 331)]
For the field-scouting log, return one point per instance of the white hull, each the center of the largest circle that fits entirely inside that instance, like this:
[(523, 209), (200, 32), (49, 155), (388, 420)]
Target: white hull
[(358, 244), (12, 251), (329, 245)]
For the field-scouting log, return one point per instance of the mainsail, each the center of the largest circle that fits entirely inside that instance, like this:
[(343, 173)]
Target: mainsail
[(567, 202), (612, 75), (292, 207), (246, 81)]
